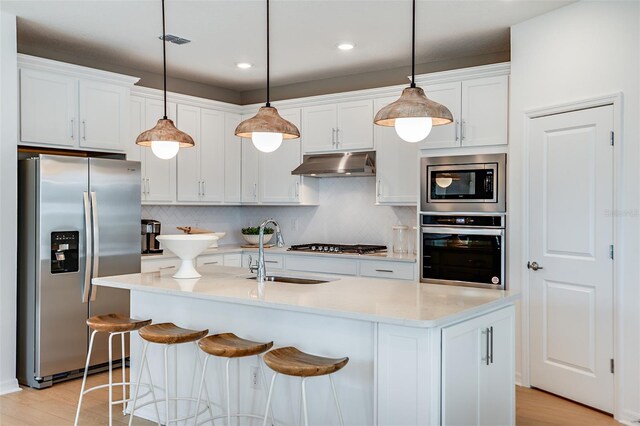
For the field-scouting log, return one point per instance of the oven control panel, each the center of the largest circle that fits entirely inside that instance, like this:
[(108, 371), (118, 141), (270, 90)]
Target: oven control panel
[(484, 221)]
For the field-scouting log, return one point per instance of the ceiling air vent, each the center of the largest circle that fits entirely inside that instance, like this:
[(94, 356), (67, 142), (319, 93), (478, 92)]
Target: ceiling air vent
[(175, 39)]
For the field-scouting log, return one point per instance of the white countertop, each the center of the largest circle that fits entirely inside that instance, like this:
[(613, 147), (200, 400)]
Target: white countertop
[(230, 248), (368, 299)]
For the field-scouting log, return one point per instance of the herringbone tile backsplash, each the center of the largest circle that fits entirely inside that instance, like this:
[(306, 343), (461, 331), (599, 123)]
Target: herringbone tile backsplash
[(347, 214)]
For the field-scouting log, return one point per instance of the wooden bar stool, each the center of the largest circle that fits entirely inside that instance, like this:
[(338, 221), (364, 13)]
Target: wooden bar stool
[(114, 324), (293, 362), (230, 346), (168, 334)]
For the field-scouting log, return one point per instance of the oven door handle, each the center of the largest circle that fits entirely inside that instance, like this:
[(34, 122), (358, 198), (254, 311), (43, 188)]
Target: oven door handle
[(462, 231)]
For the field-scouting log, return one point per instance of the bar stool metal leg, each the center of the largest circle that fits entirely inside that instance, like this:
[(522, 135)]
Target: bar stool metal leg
[(304, 402), (266, 411), (166, 386), (144, 363), (124, 378), (84, 377), (335, 398), (111, 378)]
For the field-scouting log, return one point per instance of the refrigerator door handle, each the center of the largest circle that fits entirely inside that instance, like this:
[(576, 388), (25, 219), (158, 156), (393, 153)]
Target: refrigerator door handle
[(96, 243), (89, 248)]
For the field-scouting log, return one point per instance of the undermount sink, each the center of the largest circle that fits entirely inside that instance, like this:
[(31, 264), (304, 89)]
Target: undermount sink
[(293, 280)]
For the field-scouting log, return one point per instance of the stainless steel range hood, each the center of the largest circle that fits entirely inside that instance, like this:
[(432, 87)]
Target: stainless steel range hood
[(344, 164)]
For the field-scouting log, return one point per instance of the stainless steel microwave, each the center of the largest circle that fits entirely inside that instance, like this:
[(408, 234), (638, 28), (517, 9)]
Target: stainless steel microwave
[(465, 183)]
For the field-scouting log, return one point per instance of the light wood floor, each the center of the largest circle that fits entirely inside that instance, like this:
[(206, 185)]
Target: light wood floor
[(57, 406)]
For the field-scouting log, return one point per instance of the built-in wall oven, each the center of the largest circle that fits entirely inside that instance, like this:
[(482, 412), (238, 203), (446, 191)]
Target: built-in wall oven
[(466, 250), (465, 183)]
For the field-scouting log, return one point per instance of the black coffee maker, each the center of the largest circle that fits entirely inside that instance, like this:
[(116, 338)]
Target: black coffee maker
[(150, 229)]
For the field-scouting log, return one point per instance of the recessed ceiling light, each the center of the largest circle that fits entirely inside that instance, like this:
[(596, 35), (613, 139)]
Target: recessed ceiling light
[(346, 46), (244, 65)]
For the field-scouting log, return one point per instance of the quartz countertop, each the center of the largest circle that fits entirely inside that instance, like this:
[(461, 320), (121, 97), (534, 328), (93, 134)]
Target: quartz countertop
[(369, 299), (231, 248)]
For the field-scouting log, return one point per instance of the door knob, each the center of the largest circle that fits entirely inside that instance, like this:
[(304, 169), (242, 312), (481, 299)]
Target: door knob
[(534, 266)]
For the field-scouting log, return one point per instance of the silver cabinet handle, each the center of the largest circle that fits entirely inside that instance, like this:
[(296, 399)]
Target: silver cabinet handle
[(337, 137), (84, 130), (297, 189), (255, 190), (491, 344), (148, 186), (384, 270), (96, 243), (199, 188), (462, 128), (166, 267), (72, 132), (333, 136), (487, 357), (456, 126), (270, 261), (88, 248), (379, 184), (204, 188), (210, 263), (534, 266)]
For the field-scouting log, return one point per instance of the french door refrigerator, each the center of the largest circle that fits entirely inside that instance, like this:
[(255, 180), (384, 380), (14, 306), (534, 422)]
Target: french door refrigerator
[(79, 218)]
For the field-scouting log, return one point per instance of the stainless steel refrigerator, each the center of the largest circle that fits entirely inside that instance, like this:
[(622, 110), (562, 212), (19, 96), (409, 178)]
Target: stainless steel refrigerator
[(79, 218)]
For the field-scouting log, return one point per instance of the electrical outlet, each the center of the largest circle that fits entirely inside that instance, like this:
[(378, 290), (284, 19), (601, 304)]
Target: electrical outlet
[(255, 377)]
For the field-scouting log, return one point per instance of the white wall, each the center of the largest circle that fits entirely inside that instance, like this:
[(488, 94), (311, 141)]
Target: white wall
[(584, 50), (8, 218), (346, 214)]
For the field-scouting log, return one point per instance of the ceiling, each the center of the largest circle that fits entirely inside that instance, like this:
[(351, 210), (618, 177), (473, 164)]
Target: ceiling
[(304, 34)]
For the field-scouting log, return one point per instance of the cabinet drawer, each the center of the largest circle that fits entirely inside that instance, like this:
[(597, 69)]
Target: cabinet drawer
[(387, 269), (271, 261), (327, 265), (162, 265), (233, 260), (210, 259)]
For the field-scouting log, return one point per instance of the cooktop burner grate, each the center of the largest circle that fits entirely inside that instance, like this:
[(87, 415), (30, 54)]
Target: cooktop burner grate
[(339, 248)]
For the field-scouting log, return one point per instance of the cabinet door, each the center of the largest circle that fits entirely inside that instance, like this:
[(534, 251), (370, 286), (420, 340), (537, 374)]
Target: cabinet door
[(210, 259), (212, 161), (232, 160), (318, 128), (103, 115), (485, 111), (448, 135), (48, 108), (188, 159), (277, 184), (136, 126), (355, 125), (396, 165), (250, 171), (160, 174)]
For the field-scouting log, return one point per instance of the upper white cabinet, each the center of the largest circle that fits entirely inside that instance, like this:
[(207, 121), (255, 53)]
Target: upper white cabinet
[(344, 126), (201, 169), (64, 105), (396, 165), (250, 172), (480, 112), (232, 160)]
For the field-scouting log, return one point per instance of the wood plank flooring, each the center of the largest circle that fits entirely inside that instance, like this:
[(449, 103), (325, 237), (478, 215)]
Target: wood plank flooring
[(57, 406)]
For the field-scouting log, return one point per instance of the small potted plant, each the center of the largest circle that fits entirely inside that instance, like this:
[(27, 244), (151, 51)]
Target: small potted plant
[(252, 234)]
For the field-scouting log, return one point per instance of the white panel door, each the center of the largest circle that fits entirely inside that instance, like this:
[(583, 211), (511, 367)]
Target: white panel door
[(319, 128), (48, 108), (355, 125), (232, 160), (136, 126), (189, 185), (277, 184), (447, 135), (250, 171), (571, 230), (485, 111), (103, 115), (160, 175), (212, 163), (396, 165)]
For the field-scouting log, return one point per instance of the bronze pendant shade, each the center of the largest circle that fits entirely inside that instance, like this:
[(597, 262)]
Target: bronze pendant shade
[(267, 120), (413, 103), (165, 131)]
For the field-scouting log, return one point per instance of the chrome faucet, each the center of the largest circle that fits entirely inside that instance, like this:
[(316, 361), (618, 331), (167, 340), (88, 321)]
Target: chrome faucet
[(261, 270)]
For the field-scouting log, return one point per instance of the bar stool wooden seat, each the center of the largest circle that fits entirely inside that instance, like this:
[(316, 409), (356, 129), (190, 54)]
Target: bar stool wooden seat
[(230, 346), (114, 324), (291, 361), (167, 334)]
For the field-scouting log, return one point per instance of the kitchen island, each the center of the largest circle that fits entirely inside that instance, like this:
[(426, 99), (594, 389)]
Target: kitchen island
[(419, 353)]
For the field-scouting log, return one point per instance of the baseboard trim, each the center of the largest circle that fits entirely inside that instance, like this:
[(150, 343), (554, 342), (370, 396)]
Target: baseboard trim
[(9, 386), (518, 379), (629, 418)]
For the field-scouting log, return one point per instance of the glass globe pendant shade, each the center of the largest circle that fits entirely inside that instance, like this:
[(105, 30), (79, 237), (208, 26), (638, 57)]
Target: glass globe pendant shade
[(413, 129), (165, 150), (266, 141)]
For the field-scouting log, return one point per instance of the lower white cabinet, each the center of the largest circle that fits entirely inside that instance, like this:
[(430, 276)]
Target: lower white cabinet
[(326, 265), (478, 370), (160, 264), (387, 269), (210, 259)]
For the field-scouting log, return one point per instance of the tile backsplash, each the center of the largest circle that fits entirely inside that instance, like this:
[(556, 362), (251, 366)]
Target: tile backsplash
[(346, 214)]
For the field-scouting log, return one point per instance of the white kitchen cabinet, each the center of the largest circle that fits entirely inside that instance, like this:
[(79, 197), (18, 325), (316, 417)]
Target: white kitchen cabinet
[(201, 169), (480, 112), (396, 165), (68, 106), (232, 160), (210, 259), (160, 264), (234, 259), (387, 269), (159, 176), (329, 264), (250, 172), (344, 126), (478, 365), (271, 261)]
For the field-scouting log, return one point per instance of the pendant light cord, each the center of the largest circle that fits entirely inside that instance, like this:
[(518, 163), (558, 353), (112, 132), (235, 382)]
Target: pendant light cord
[(413, 47), (164, 61), (268, 94)]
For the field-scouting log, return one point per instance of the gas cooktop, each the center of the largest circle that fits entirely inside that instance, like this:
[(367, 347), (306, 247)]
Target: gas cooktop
[(339, 248)]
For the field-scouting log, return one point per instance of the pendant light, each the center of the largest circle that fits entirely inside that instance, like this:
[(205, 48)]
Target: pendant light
[(165, 139), (413, 114), (267, 129)]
